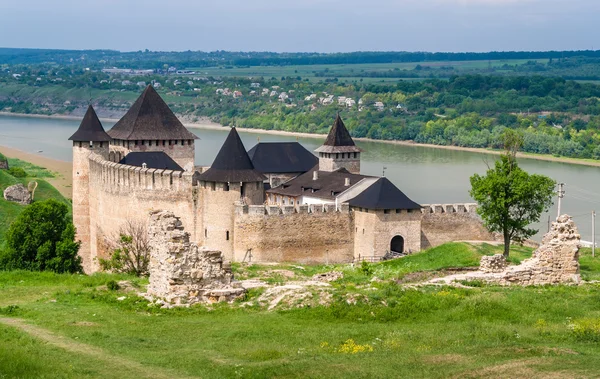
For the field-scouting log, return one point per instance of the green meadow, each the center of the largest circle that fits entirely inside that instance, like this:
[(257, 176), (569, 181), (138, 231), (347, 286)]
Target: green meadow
[(73, 326)]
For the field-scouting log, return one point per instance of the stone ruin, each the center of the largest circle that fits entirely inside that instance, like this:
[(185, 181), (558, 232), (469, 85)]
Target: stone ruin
[(556, 261), (18, 193), (183, 273), (493, 263)]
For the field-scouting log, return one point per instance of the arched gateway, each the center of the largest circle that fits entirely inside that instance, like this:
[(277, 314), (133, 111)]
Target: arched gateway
[(397, 244)]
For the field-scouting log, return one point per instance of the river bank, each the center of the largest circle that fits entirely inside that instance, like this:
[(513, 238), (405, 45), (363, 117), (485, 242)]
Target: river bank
[(205, 123), (63, 171)]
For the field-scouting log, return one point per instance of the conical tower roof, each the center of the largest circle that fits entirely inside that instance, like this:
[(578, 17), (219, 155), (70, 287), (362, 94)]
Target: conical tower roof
[(339, 139), (383, 194), (150, 118), (232, 163), (90, 128)]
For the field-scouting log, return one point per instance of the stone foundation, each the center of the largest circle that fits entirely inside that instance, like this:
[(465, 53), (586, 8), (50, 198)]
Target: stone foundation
[(180, 271)]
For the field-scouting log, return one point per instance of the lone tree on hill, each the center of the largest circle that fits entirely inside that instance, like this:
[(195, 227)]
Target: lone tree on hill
[(42, 238), (509, 198)]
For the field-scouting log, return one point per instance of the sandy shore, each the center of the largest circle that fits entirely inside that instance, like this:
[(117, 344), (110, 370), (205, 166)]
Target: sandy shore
[(63, 173), (205, 123)]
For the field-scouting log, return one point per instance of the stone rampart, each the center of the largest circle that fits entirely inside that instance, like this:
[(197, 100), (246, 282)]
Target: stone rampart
[(302, 233), (442, 223), (118, 193)]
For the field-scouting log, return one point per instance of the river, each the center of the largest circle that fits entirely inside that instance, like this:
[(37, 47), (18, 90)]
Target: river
[(425, 174)]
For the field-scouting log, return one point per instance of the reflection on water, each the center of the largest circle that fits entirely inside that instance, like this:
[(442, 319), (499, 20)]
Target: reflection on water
[(427, 175)]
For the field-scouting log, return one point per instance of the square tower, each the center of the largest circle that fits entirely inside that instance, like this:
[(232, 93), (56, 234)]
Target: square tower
[(339, 150)]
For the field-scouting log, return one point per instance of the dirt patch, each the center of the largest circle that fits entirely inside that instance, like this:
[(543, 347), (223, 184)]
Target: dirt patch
[(445, 359), (523, 368), (415, 277), (84, 323)]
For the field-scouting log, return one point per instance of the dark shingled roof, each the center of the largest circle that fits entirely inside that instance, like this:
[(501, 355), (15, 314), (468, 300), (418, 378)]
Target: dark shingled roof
[(338, 140), (150, 118), (383, 194), (232, 163), (328, 185), (282, 157), (90, 128), (152, 159)]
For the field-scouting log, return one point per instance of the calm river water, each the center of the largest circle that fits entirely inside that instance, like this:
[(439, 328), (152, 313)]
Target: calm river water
[(426, 175)]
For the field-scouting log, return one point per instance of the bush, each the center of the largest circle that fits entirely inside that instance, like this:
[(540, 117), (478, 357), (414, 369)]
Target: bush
[(585, 329), (17, 172), (42, 238), (130, 250), (113, 286)]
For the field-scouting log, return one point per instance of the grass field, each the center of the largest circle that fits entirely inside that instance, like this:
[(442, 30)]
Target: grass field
[(8, 210), (71, 326), (308, 71)]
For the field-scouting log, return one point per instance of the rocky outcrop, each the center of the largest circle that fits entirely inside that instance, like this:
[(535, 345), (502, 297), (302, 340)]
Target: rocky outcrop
[(18, 193), (3, 163), (180, 271)]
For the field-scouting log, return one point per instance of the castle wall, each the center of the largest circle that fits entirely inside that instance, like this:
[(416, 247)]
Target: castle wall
[(81, 195), (444, 223), (118, 193), (182, 151), (303, 234), (375, 229)]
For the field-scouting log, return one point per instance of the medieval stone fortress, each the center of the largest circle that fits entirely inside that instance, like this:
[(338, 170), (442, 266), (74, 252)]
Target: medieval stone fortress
[(276, 202)]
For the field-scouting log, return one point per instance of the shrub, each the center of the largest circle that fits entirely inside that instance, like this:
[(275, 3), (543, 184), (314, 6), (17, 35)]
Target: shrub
[(113, 285), (42, 238), (585, 329), (131, 250), (366, 268), (17, 172)]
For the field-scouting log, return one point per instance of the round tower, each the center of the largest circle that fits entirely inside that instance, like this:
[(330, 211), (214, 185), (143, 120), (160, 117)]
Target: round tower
[(339, 150), (89, 138)]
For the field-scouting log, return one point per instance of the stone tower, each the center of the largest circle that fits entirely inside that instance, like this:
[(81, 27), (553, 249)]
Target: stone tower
[(150, 125), (339, 150), (231, 179), (90, 137)]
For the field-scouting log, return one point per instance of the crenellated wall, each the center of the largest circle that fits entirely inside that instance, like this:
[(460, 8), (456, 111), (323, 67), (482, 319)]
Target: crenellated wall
[(302, 233), (118, 193), (444, 223)]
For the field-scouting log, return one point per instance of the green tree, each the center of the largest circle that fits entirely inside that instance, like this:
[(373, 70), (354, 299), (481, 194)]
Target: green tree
[(42, 238), (510, 199)]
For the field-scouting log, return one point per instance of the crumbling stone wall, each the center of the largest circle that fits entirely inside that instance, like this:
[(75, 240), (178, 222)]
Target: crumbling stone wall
[(493, 263), (555, 261), (180, 271)]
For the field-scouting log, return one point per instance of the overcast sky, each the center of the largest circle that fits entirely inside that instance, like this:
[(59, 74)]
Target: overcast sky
[(301, 25)]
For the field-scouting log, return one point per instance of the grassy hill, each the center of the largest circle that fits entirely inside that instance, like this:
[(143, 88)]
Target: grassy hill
[(8, 210), (374, 326)]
